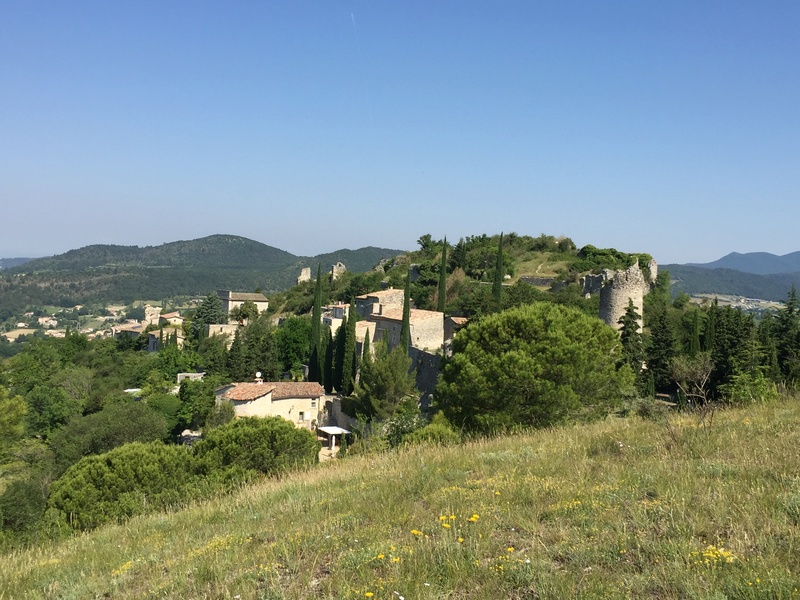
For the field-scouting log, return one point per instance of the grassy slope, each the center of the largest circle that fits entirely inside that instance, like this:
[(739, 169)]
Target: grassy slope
[(619, 509)]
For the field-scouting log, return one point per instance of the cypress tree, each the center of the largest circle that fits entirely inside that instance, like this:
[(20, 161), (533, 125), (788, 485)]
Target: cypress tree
[(694, 340), (443, 279), (710, 338), (366, 352), (315, 362), (328, 368), (405, 328), (235, 363), (497, 284), (338, 355), (349, 363)]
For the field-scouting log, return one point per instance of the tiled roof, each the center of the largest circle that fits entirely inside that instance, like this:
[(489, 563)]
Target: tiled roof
[(171, 315), (297, 389), (243, 392), (248, 391)]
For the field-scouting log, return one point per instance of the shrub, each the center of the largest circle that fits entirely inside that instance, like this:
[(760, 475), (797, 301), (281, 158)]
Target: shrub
[(129, 480), (437, 432), (270, 445)]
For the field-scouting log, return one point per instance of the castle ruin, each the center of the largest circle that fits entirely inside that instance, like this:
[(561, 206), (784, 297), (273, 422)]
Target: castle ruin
[(305, 275), (616, 288)]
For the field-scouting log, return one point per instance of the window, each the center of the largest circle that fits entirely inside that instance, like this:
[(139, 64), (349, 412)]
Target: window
[(301, 416), (313, 403)]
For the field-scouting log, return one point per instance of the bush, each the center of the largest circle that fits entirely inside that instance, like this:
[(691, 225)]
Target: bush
[(270, 445), (533, 365), (438, 432), (115, 425), (129, 480)]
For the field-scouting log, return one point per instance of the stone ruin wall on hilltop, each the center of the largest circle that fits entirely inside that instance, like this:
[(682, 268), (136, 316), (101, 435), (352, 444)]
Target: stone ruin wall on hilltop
[(616, 288)]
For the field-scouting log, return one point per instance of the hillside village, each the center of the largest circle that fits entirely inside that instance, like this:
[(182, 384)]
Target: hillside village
[(430, 348)]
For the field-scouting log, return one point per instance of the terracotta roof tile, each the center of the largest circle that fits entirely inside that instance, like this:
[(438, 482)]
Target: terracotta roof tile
[(243, 392), (297, 389)]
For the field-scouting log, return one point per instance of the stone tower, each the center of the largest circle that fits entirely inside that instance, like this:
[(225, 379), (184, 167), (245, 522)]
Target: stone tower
[(621, 286)]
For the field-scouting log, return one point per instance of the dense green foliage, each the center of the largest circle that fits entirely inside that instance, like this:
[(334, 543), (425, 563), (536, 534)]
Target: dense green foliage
[(535, 365), (270, 445), (129, 480), (96, 433)]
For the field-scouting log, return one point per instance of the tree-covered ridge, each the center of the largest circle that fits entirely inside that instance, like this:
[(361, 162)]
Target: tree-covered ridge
[(105, 273), (700, 280)]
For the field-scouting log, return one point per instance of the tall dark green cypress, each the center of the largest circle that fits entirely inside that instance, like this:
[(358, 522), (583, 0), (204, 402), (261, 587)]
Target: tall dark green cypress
[(405, 328), (317, 357), (328, 368), (339, 355), (694, 339), (366, 352), (443, 279), (349, 364), (497, 284)]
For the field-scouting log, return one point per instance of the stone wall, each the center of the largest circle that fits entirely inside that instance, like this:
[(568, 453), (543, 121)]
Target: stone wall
[(337, 270), (305, 275), (622, 286)]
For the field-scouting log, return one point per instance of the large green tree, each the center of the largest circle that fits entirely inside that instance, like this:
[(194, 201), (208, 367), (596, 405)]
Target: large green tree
[(385, 381), (209, 312), (533, 365)]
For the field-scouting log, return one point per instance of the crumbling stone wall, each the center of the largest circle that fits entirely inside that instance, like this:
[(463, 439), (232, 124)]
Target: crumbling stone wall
[(305, 275), (337, 270), (622, 286)]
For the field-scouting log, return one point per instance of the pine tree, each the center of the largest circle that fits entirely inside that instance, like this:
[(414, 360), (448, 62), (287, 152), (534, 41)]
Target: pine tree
[(405, 328), (443, 279), (661, 351), (694, 340), (710, 337), (316, 359), (631, 337), (497, 284), (235, 363)]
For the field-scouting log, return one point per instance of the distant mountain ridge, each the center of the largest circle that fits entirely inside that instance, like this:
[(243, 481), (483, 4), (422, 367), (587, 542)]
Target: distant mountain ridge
[(110, 273), (8, 263), (759, 263)]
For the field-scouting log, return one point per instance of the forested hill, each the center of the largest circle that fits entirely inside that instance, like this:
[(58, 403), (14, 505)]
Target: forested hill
[(110, 273), (759, 263), (701, 280)]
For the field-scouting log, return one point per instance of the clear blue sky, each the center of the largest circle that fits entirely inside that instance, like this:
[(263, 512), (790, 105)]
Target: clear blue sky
[(665, 127)]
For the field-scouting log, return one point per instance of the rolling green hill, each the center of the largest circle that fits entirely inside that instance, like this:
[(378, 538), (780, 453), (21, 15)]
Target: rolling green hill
[(109, 273)]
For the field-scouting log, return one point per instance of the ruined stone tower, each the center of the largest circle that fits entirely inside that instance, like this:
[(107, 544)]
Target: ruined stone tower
[(617, 287)]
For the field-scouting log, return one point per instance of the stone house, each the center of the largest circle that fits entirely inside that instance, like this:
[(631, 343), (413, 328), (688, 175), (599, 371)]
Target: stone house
[(426, 327), (231, 300), (333, 314), (302, 403), (375, 302), (171, 318), (158, 336)]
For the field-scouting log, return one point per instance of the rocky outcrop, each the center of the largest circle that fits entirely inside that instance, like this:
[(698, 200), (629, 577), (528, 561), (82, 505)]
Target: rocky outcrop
[(305, 275)]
